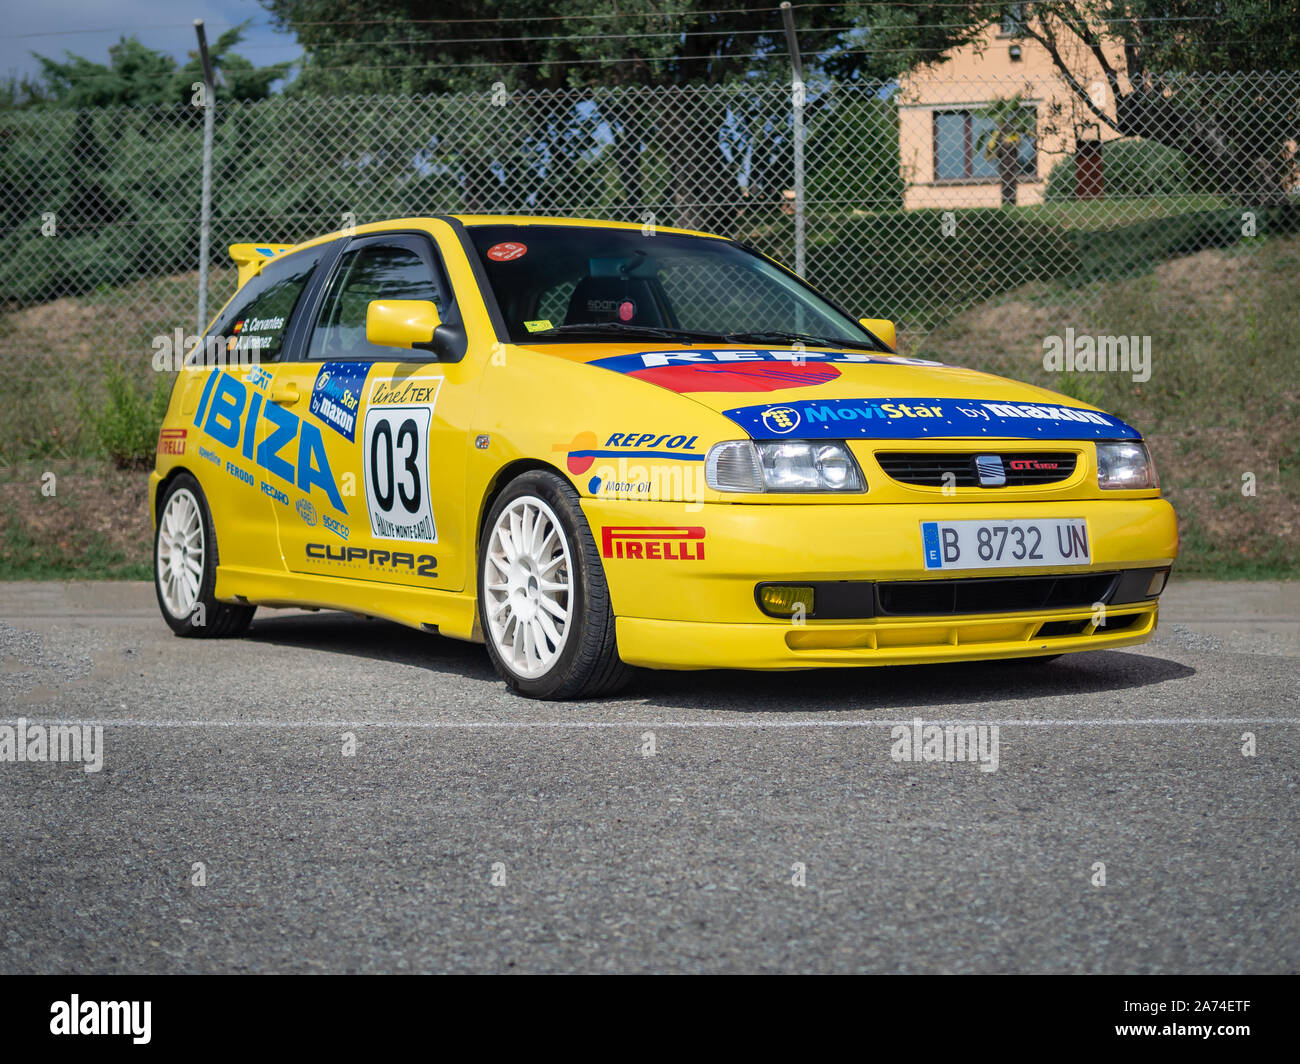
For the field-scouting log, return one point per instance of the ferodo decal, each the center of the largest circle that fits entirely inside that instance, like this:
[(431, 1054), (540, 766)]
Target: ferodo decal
[(885, 419), (292, 449), (395, 453), (585, 448), (754, 370), (653, 542), (336, 395)]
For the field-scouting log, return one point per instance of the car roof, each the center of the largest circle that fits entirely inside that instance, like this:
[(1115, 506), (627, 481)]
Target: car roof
[(250, 257)]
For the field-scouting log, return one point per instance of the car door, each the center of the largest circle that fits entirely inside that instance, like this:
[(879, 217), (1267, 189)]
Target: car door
[(227, 406), (383, 429)]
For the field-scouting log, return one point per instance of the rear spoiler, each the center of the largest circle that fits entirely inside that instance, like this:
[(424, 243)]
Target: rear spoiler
[(250, 258)]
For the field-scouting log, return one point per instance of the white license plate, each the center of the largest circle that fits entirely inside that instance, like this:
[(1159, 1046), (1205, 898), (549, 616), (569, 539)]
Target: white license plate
[(1005, 544)]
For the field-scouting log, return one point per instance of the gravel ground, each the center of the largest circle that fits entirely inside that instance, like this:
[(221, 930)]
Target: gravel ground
[(226, 761)]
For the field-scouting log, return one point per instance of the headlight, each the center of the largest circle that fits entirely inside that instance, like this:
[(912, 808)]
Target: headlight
[(782, 466), (1125, 465)]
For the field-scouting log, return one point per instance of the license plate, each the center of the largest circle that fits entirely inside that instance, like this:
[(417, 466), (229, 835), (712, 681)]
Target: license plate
[(1005, 544)]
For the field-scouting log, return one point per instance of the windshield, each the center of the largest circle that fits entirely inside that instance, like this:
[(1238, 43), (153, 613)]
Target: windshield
[(590, 285)]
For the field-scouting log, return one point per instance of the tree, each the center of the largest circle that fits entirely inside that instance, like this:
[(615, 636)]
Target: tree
[(1146, 50), (403, 46), (137, 76), (1011, 124)]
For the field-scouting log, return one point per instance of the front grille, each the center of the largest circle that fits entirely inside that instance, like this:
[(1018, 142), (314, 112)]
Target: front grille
[(1020, 469), (856, 600), (1010, 595)]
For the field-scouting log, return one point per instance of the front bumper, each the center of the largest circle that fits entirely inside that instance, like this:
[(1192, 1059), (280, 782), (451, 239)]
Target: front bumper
[(692, 605)]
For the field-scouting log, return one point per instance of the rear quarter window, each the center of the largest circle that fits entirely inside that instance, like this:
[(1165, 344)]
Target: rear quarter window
[(258, 317)]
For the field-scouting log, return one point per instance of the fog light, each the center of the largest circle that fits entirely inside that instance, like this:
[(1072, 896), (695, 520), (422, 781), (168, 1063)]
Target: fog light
[(1157, 583), (783, 600)]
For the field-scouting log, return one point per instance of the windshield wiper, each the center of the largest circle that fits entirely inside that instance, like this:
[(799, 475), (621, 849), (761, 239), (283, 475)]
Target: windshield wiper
[(767, 337), (618, 328)]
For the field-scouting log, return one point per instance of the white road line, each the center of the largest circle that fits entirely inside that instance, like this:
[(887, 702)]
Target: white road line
[(398, 725)]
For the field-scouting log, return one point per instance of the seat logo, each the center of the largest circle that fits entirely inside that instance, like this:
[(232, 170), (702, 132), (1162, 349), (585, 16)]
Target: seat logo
[(990, 470)]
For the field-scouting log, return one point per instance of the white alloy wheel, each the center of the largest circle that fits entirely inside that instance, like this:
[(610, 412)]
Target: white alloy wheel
[(180, 553), (528, 587)]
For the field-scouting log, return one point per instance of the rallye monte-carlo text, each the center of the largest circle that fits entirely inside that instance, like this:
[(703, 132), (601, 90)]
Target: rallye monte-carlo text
[(593, 446)]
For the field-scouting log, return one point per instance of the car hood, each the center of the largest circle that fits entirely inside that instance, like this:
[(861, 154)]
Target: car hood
[(775, 393)]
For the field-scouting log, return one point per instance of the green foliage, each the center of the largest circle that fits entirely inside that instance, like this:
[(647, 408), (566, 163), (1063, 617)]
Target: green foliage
[(894, 256), (138, 76), (127, 423), (1108, 254), (364, 47), (1130, 168), (898, 254)]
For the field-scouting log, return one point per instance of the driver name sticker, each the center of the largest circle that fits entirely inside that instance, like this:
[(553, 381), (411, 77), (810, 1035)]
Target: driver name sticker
[(395, 455)]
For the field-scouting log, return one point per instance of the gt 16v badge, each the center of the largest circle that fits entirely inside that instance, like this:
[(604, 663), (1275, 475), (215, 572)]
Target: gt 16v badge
[(399, 420)]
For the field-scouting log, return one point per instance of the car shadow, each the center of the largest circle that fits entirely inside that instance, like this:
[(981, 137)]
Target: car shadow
[(805, 691), (373, 639), (909, 686)]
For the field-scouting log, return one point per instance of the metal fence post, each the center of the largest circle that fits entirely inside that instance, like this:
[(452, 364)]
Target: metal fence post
[(797, 102), (205, 204)]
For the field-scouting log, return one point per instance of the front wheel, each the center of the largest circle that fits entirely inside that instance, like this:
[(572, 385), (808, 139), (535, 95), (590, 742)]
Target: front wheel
[(185, 566), (543, 601)]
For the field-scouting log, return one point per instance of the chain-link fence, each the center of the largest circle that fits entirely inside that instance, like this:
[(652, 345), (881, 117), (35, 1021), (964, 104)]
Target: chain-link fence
[(919, 200)]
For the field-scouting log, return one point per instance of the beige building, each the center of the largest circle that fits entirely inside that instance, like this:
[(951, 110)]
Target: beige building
[(944, 116)]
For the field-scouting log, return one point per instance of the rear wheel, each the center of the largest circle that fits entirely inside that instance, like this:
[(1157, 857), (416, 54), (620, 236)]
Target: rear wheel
[(543, 601), (185, 566)]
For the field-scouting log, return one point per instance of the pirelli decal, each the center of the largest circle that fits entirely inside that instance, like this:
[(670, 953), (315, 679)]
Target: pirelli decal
[(684, 543)]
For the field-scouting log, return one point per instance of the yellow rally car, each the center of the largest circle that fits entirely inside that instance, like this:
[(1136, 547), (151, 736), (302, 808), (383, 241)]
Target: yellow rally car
[(593, 445)]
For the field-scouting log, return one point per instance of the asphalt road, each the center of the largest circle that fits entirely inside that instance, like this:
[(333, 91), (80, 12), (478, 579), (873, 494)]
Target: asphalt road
[(230, 755)]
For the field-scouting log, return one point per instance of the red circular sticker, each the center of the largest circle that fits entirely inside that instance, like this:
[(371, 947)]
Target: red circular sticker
[(507, 251), (626, 310)]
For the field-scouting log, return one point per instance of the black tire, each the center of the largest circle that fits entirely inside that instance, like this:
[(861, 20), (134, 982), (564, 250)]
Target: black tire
[(207, 618), (588, 664)]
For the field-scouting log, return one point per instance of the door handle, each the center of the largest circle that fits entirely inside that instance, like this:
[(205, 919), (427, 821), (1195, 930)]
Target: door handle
[(285, 394)]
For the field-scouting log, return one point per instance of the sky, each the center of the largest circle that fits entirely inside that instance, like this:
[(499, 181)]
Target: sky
[(89, 27)]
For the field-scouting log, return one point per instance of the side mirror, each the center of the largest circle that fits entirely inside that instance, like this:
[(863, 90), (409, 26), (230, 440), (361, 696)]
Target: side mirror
[(401, 322), (881, 328)]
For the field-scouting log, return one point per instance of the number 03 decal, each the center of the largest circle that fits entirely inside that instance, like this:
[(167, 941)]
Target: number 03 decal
[(396, 459)]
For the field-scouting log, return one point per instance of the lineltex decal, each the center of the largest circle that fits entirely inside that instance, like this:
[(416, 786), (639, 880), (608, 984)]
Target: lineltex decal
[(395, 451), (735, 370), (911, 419), (336, 395)]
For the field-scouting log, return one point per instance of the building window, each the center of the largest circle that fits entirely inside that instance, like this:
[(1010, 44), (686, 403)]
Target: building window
[(961, 148), (1013, 20)]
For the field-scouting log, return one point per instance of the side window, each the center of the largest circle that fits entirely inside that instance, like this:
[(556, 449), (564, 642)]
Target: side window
[(372, 271), (258, 317)]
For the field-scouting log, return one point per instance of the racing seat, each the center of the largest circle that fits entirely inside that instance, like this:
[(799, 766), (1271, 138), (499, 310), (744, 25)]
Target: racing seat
[(597, 299)]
